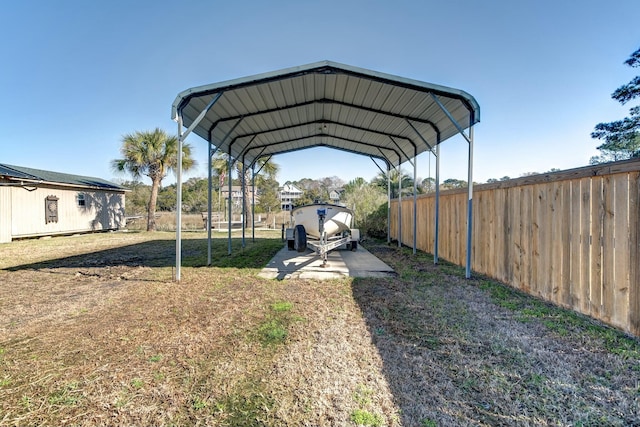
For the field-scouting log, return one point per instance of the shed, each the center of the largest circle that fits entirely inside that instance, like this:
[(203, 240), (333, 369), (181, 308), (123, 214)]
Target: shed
[(37, 202)]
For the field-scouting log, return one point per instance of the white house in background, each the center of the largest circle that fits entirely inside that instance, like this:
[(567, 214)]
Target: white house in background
[(334, 196), (288, 194), (36, 202), (236, 195)]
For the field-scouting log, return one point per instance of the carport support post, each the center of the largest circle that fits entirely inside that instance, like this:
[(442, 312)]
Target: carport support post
[(253, 202), (229, 197), (415, 201), (399, 205), (470, 201), (437, 213), (470, 177), (181, 137), (208, 224), (212, 151), (244, 202), (388, 203), (179, 201)]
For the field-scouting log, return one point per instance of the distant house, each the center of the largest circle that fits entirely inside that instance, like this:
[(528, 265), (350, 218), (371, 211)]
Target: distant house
[(236, 195), (288, 194), (334, 196), (36, 202)]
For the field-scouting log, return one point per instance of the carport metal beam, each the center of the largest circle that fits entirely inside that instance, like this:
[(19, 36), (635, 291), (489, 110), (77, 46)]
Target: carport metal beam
[(437, 204), (388, 195), (181, 137), (379, 148), (469, 177), (209, 209), (399, 205), (210, 183), (437, 213)]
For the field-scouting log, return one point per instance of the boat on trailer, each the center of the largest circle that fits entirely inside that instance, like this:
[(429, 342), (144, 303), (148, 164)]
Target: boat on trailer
[(322, 227)]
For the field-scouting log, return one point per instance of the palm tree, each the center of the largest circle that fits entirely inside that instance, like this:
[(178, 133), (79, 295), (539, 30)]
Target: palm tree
[(220, 164), (153, 154), (380, 180)]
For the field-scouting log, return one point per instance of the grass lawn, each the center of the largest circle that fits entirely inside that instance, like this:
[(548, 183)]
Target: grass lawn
[(94, 331)]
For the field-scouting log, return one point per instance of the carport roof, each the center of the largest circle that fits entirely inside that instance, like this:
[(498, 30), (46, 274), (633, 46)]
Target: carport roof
[(325, 104)]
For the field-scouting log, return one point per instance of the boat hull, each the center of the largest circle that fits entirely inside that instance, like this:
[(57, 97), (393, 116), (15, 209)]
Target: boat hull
[(337, 219)]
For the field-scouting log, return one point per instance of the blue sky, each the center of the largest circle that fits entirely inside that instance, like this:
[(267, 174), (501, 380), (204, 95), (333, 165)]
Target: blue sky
[(77, 75)]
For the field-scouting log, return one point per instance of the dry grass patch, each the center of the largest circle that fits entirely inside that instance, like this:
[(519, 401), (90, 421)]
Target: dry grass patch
[(93, 331), (475, 352)]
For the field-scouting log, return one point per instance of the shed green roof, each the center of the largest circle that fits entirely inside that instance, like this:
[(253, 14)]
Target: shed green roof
[(30, 175)]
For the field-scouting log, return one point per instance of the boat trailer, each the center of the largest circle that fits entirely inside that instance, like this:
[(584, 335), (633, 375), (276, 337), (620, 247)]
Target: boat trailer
[(298, 239)]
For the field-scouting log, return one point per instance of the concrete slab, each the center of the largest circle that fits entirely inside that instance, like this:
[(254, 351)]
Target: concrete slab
[(288, 264)]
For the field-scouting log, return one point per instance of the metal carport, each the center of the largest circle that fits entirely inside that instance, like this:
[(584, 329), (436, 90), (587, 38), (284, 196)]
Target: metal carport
[(388, 118)]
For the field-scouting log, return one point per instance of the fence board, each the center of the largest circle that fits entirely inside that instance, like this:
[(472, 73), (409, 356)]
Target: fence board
[(608, 249), (585, 245), (515, 233), (501, 206), (566, 298), (526, 246), (620, 307), (536, 218), (490, 239), (479, 228), (634, 253), (460, 225), (555, 265), (575, 253), (597, 219), (545, 230)]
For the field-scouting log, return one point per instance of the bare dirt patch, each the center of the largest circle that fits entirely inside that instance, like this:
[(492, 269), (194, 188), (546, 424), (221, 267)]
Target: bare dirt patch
[(93, 331)]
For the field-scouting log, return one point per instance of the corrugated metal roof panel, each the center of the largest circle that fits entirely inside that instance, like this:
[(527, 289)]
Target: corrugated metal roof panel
[(326, 104)]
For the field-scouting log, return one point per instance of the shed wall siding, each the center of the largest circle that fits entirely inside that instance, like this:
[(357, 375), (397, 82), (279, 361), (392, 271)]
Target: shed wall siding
[(103, 210), (5, 214)]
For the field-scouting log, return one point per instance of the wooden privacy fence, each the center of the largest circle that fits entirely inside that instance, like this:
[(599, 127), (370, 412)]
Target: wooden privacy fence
[(570, 237)]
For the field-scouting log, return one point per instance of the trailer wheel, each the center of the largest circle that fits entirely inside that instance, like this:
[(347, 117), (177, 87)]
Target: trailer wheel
[(300, 238), (354, 245)]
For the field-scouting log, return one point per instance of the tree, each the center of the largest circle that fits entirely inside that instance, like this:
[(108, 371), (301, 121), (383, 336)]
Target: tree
[(332, 183), (194, 195), (380, 180), (312, 195), (167, 197), (153, 154), (266, 167), (622, 137), (454, 183), (313, 190), (268, 190), (504, 178), (365, 199), (137, 198), (428, 185)]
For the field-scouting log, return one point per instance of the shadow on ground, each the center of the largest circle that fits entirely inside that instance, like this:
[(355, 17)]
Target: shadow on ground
[(453, 355), (161, 253)]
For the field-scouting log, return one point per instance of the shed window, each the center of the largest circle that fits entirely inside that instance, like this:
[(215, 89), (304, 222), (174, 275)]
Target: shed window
[(81, 200), (51, 209)]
